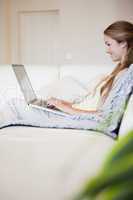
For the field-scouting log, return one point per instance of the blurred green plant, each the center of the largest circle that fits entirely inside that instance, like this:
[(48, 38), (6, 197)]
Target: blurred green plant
[(115, 180)]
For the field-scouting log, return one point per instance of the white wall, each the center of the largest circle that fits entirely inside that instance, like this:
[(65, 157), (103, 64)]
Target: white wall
[(2, 32), (81, 26)]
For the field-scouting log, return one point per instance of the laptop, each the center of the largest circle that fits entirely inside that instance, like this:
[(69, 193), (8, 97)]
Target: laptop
[(28, 92)]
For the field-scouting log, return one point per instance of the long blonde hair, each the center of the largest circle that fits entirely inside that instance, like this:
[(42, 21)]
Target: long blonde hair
[(121, 31)]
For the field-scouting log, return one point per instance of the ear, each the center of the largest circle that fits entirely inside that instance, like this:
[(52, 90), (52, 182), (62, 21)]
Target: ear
[(123, 44)]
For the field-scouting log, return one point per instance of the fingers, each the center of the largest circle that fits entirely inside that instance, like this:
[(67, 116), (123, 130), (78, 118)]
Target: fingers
[(52, 101)]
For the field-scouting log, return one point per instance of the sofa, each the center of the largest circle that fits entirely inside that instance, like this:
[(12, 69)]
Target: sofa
[(48, 163)]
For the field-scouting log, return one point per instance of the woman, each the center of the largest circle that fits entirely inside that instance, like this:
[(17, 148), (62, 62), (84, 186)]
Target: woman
[(118, 39), (115, 90)]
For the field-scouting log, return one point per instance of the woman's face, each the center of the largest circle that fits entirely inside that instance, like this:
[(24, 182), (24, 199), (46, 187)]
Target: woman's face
[(116, 50)]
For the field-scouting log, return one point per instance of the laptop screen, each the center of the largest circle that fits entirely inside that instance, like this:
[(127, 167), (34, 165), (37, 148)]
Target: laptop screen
[(24, 83)]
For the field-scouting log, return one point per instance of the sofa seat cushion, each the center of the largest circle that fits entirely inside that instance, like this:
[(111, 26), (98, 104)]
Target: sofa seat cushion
[(36, 161)]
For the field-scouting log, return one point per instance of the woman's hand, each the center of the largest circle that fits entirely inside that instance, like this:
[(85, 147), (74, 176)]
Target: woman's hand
[(66, 106), (54, 102), (60, 104)]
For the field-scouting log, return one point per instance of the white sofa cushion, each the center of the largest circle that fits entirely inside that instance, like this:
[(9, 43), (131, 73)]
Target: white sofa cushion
[(36, 161)]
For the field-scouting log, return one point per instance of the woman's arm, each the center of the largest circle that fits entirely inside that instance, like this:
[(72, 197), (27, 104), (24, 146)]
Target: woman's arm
[(67, 106)]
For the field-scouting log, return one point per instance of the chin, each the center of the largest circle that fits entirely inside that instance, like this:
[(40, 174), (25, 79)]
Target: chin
[(115, 59)]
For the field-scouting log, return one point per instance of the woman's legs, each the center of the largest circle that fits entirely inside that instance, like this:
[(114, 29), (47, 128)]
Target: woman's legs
[(16, 112)]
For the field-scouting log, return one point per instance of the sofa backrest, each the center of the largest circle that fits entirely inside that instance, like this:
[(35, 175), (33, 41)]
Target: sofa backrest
[(42, 75), (39, 75), (84, 73)]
